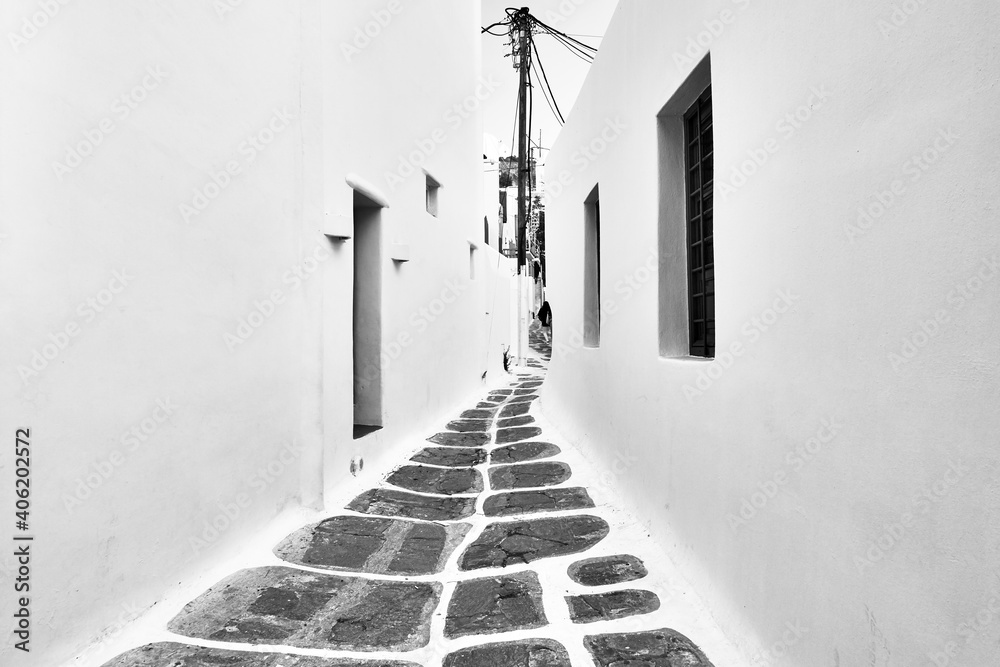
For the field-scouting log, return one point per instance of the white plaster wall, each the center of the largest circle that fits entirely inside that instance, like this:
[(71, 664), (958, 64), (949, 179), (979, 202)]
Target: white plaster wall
[(491, 187), (810, 556), (261, 424), (510, 229), (406, 106)]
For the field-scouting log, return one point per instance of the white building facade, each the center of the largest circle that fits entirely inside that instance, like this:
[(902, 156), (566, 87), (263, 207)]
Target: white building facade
[(250, 252), (794, 374)]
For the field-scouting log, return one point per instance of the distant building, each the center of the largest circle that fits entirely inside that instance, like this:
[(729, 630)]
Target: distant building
[(508, 172)]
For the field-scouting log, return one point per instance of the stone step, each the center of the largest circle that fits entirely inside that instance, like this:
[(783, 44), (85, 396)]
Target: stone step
[(373, 544), (612, 605), (282, 605), (514, 542), (390, 502), (547, 500), (495, 604), (655, 647)]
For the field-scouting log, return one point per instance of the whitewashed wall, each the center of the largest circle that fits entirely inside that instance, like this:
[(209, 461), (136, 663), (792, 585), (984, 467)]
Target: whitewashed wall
[(832, 486), (176, 326), (491, 187), (421, 109)]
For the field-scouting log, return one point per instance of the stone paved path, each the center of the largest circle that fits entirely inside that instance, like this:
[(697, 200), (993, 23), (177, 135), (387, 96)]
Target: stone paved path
[(478, 550)]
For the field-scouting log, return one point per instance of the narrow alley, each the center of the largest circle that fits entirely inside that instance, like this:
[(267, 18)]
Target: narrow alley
[(448, 333), (494, 544)]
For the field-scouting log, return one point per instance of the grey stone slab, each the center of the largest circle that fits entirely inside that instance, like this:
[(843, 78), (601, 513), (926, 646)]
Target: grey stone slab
[(523, 653), (607, 570), (373, 544), (611, 605), (524, 392), (280, 605), (529, 475), (495, 604), (444, 481), (390, 502), (513, 542), (655, 648), (523, 451), (532, 384), (547, 500), (508, 435), (479, 413), (526, 398), (469, 425), (515, 409), (173, 654), (455, 457), (487, 404), (501, 392), (460, 439), (515, 421)]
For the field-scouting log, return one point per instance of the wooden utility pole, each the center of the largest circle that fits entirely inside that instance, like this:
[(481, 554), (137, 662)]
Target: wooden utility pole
[(523, 164), (522, 139)]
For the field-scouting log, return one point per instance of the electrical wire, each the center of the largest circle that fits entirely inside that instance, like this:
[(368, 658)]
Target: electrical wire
[(527, 158), (500, 255), (575, 50), (550, 97), (547, 95), (560, 33), (576, 47), (535, 74)]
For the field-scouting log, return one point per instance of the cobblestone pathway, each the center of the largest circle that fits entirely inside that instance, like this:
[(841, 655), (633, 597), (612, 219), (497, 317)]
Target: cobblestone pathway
[(479, 550)]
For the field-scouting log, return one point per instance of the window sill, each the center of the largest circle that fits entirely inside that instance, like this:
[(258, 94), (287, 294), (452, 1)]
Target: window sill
[(687, 358)]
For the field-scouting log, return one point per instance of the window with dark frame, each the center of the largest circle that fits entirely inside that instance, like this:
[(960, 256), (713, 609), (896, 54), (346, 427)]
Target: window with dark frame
[(700, 239)]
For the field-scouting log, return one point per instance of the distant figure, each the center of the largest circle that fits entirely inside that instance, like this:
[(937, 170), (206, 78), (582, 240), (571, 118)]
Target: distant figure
[(545, 318)]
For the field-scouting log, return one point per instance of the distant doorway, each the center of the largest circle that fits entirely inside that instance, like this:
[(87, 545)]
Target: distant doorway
[(367, 315)]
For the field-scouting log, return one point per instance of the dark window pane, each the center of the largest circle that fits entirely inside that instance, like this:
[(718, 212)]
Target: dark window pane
[(694, 231), (692, 127), (698, 332), (697, 282), (701, 251)]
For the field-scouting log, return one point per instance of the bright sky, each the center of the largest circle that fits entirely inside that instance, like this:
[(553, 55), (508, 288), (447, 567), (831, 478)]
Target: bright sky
[(586, 20)]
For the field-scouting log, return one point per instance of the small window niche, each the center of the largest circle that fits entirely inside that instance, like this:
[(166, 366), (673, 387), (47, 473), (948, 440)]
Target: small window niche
[(367, 315), (433, 187), (685, 231), (592, 269)]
